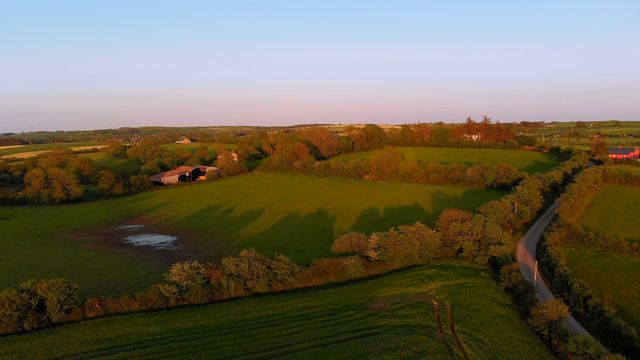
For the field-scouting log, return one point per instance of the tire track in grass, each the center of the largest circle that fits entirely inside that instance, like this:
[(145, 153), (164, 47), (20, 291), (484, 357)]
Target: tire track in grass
[(294, 329), (221, 330)]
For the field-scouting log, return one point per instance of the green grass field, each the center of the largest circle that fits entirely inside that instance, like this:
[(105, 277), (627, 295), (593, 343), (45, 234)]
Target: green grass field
[(382, 318), (614, 210), (103, 161), (613, 278), (296, 215), (42, 147), (528, 161)]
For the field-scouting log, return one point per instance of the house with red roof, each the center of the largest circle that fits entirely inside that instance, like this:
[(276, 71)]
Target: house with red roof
[(620, 153)]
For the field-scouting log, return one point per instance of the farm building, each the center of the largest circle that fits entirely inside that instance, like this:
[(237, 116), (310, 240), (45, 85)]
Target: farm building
[(621, 152), (184, 174), (183, 140)]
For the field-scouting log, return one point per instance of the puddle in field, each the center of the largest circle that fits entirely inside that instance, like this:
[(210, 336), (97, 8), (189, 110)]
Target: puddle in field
[(153, 240), (157, 241)]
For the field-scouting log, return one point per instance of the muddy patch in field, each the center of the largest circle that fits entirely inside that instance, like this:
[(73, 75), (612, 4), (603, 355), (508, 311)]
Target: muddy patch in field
[(150, 238)]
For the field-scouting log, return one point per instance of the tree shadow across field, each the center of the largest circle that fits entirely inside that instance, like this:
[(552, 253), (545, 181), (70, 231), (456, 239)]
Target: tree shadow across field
[(374, 219), (301, 237), (539, 166)]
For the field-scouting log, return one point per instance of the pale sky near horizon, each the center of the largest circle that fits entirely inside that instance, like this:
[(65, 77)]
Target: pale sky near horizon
[(104, 64)]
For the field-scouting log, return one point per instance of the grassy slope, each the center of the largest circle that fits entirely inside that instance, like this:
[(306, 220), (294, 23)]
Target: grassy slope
[(103, 161), (614, 210), (41, 147), (524, 160), (332, 323), (292, 214), (611, 277)]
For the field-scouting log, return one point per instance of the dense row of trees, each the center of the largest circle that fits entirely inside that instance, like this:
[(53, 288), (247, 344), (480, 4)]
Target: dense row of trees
[(389, 164)]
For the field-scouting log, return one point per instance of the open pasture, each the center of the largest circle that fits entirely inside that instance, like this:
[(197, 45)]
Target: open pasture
[(613, 278), (528, 161), (386, 317), (296, 215), (614, 210), (36, 149), (120, 165)]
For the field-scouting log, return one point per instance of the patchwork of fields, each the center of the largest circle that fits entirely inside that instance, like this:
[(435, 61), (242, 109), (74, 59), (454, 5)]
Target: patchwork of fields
[(386, 317), (613, 278), (296, 215), (528, 161)]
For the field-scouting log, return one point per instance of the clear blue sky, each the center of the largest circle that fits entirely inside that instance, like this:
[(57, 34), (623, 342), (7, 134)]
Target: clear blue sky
[(99, 64)]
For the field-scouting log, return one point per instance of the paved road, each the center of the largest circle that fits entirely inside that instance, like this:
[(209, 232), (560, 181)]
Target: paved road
[(526, 256)]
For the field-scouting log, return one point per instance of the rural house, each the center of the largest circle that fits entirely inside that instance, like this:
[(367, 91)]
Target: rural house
[(183, 140), (620, 152), (184, 174)]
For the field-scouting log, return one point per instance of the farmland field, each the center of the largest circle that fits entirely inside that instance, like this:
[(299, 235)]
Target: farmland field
[(385, 317), (528, 161), (296, 215), (121, 165), (35, 149), (613, 278), (614, 210)]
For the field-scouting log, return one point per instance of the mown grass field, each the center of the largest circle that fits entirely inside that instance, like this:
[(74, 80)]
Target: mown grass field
[(613, 278), (615, 210), (528, 161), (382, 318), (36, 148), (121, 165), (296, 215)]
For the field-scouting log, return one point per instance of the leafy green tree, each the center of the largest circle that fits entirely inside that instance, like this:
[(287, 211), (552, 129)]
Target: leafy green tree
[(228, 165), (187, 283), (35, 185), (13, 308), (138, 183), (547, 317), (386, 164), (351, 243), (370, 137), (58, 296), (64, 186), (110, 183), (325, 141)]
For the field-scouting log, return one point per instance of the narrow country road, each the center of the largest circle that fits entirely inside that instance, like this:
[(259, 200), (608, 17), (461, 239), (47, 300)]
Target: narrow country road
[(526, 256)]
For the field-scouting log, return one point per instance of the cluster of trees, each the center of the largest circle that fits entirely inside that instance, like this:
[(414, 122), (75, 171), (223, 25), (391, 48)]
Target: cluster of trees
[(56, 176), (36, 304)]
